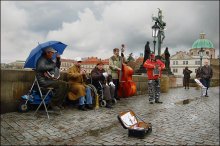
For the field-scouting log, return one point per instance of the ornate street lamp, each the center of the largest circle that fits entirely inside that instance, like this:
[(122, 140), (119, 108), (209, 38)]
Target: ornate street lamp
[(201, 54), (155, 31)]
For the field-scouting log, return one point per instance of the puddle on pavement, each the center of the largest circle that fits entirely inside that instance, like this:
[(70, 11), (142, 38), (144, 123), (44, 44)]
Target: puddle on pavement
[(96, 131)]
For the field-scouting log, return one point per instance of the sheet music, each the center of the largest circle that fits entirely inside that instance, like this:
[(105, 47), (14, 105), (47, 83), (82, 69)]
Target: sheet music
[(128, 119)]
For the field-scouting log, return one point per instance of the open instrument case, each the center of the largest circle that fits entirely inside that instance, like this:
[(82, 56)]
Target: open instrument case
[(135, 125)]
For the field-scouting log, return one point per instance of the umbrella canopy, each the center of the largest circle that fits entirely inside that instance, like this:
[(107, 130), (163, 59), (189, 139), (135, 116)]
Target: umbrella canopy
[(35, 54)]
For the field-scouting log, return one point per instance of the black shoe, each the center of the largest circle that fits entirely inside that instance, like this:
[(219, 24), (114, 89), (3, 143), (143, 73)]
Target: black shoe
[(151, 102), (117, 98), (82, 108), (89, 106), (206, 96), (158, 102), (108, 106), (55, 108)]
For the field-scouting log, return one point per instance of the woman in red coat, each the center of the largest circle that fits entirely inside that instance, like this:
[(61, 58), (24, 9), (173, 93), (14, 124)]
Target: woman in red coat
[(154, 68)]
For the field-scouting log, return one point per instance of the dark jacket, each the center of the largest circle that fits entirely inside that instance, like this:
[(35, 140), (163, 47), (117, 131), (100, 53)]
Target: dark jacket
[(43, 65), (97, 76), (206, 72), (186, 73)]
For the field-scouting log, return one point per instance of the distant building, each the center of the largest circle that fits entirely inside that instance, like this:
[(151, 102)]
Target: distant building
[(191, 59), (65, 64), (18, 64), (89, 63)]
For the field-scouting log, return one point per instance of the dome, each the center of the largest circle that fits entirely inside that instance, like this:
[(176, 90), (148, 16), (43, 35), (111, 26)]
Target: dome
[(202, 42)]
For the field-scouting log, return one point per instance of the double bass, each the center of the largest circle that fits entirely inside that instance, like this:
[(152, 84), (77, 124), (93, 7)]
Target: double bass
[(127, 87)]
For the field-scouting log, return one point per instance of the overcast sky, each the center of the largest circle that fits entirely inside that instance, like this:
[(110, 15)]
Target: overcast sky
[(94, 28)]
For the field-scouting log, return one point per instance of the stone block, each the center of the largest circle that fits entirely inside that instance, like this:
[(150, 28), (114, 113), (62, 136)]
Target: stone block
[(172, 81), (164, 84), (143, 86)]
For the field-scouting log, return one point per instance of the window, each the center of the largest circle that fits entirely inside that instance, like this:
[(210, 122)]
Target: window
[(207, 53), (186, 62), (197, 62), (175, 70), (175, 62)]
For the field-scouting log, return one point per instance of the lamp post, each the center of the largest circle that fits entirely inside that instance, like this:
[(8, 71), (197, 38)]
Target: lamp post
[(201, 56), (155, 31)]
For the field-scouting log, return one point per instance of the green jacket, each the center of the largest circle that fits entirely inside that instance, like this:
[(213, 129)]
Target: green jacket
[(114, 64)]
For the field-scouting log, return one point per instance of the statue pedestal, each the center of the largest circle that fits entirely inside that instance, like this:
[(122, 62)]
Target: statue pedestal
[(164, 84), (141, 70), (167, 72)]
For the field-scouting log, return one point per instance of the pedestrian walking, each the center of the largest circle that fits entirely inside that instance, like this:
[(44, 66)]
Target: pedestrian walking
[(154, 68), (186, 77), (205, 74)]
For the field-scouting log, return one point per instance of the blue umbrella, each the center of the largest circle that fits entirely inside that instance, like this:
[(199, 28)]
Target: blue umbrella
[(35, 54)]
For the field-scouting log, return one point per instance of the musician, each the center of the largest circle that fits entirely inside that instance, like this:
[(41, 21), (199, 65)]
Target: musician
[(78, 88), (45, 70), (115, 67), (99, 76), (154, 68)]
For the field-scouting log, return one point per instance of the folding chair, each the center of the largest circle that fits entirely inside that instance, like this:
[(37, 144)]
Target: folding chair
[(43, 97)]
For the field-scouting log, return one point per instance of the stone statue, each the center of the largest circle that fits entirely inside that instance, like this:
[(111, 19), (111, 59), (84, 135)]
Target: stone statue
[(167, 61), (130, 58), (146, 52), (167, 58), (160, 23)]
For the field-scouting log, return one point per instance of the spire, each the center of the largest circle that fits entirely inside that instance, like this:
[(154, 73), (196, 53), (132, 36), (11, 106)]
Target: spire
[(202, 35)]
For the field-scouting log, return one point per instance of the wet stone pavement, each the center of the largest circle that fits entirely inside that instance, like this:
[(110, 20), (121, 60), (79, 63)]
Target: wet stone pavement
[(195, 123)]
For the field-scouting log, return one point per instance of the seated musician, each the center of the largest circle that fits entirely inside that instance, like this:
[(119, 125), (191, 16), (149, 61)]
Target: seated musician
[(78, 89), (46, 69), (99, 75)]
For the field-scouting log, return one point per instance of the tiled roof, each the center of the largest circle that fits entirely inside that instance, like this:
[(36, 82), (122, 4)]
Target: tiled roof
[(181, 55), (95, 60)]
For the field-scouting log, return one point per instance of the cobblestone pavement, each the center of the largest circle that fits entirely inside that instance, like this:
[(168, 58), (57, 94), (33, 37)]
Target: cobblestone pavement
[(195, 123)]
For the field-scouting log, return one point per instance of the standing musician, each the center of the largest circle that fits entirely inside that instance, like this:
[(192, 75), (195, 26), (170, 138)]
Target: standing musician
[(154, 68), (115, 65)]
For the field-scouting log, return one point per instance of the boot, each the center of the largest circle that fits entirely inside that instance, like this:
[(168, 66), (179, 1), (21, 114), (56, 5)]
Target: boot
[(89, 106), (82, 107), (157, 101), (108, 104)]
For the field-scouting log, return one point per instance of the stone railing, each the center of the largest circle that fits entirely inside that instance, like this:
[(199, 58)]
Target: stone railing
[(15, 83)]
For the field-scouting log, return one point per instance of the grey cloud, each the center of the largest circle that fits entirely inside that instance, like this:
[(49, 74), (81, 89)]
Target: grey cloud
[(94, 28)]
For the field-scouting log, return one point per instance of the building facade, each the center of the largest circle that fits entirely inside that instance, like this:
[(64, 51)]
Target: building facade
[(192, 59)]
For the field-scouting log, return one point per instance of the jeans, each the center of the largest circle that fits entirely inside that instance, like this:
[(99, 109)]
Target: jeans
[(88, 99), (206, 83)]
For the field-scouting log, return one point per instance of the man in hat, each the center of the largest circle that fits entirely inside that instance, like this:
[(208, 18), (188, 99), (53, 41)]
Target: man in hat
[(45, 71), (154, 68), (99, 76), (78, 88)]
